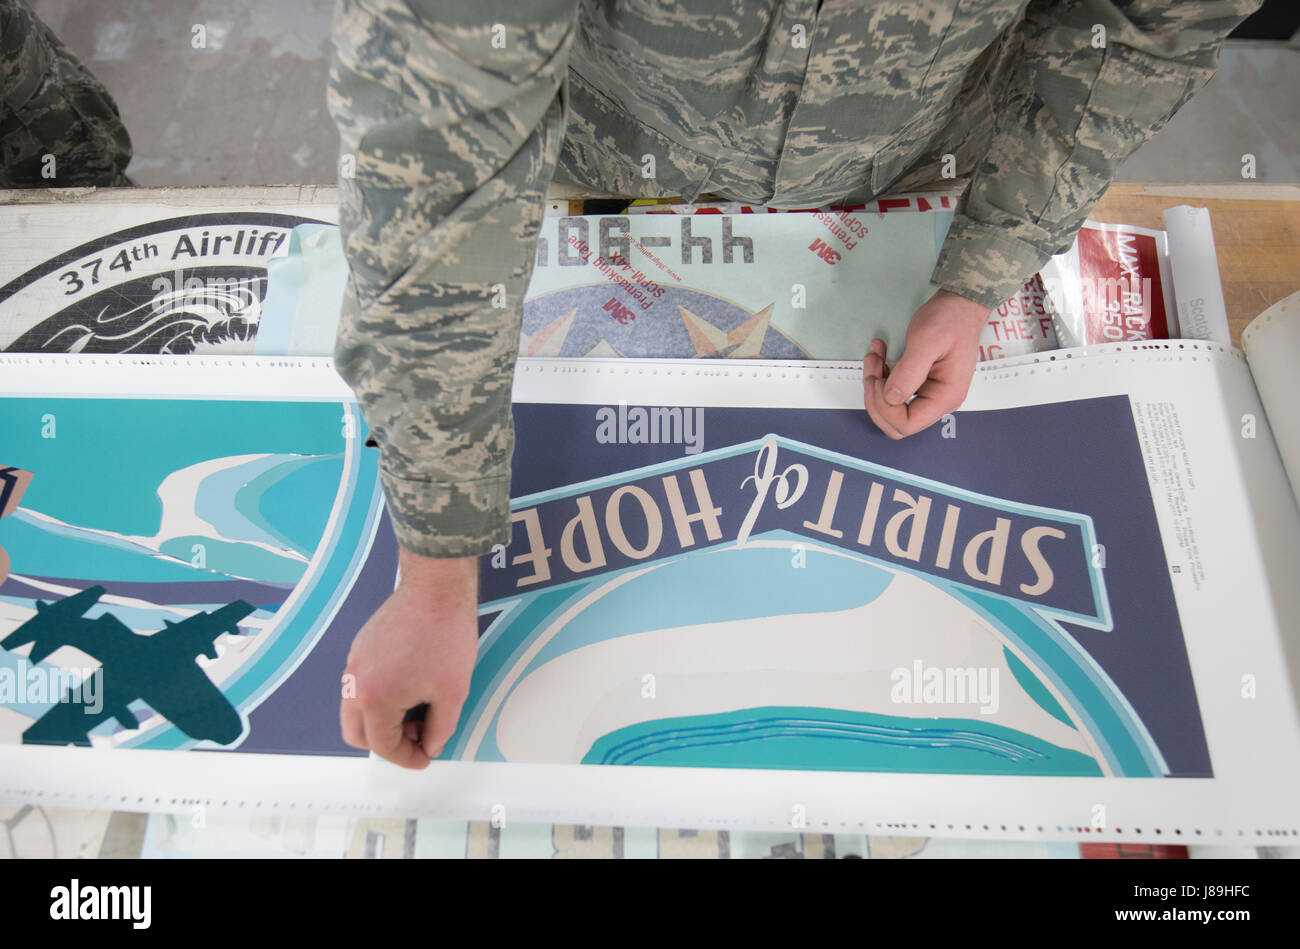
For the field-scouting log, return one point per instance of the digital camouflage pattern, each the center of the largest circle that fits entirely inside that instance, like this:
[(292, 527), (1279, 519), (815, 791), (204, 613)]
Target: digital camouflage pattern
[(455, 117), (51, 105)]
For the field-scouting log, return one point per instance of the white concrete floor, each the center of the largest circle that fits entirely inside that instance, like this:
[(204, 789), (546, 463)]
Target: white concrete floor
[(250, 109)]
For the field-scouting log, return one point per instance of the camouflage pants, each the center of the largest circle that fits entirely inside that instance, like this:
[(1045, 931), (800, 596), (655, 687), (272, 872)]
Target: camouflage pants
[(59, 128)]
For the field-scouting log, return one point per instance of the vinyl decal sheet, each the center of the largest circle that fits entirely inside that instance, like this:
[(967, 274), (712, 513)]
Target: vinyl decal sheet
[(810, 594), (751, 579), (195, 553)]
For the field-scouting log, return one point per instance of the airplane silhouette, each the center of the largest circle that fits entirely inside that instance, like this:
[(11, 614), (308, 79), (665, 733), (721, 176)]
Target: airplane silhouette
[(158, 669)]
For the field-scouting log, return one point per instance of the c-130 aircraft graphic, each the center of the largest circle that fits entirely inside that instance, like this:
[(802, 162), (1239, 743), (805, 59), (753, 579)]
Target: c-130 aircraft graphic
[(159, 669)]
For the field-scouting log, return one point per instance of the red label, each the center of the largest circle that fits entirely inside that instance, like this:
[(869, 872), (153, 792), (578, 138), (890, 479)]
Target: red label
[(1122, 295)]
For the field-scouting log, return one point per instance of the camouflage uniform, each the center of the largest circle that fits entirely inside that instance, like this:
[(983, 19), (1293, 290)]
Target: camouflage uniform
[(50, 104), (457, 116)]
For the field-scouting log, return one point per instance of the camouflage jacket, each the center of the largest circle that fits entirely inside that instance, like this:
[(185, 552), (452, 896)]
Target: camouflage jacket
[(59, 127), (455, 117)]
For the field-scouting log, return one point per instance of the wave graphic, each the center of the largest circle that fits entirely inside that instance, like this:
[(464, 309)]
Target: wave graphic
[(788, 738), (637, 749), (255, 517), (182, 493)]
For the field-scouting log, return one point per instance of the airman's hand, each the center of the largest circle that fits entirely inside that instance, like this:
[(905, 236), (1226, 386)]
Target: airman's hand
[(419, 647), (937, 366)]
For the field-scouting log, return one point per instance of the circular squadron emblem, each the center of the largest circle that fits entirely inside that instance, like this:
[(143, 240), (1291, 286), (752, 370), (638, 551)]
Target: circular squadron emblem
[(184, 285)]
